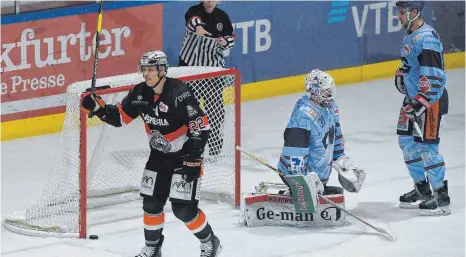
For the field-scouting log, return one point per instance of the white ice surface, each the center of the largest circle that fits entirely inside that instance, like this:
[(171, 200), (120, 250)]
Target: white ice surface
[(369, 113)]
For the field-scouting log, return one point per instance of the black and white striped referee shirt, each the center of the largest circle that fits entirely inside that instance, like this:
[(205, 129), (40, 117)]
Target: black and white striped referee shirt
[(204, 50)]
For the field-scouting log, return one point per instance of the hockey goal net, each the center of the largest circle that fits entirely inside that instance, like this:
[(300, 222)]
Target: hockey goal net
[(98, 165)]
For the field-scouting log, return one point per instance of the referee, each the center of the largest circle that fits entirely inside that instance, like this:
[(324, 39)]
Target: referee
[(208, 33)]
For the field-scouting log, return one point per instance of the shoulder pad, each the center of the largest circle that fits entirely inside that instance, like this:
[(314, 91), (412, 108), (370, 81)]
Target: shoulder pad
[(137, 88), (178, 90), (418, 38), (309, 112)]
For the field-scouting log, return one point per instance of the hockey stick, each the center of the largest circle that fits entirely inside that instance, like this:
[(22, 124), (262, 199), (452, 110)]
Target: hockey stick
[(96, 52), (417, 128), (381, 231)]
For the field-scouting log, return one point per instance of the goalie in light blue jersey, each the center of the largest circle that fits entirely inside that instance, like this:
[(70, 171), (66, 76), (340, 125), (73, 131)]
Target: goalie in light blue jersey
[(313, 142)]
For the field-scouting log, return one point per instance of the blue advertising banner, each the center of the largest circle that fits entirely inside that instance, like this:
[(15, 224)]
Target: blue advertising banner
[(280, 39), (274, 40)]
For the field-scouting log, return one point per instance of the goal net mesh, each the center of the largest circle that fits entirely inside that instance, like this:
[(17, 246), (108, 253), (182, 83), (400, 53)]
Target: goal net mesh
[(115, 157)]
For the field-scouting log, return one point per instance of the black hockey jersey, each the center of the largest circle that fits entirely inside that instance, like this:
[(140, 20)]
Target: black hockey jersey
[(173, 120)]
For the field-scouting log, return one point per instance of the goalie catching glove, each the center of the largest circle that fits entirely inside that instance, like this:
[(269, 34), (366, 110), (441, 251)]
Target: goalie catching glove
[(350, 176), (192, 168)]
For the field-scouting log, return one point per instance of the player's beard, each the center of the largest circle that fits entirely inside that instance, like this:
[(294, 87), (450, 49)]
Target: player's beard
[(405, 25)]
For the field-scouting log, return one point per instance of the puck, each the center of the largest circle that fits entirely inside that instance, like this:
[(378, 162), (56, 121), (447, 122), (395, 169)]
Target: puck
[(94, 237)]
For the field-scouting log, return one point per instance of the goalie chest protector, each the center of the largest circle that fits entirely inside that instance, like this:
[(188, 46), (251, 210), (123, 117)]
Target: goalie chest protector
[(278, 210)]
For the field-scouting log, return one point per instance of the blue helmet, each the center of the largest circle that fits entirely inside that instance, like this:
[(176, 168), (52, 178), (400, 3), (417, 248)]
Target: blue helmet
[(410, 5)]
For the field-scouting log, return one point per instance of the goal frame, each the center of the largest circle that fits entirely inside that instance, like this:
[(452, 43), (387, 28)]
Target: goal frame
[(83, 140)]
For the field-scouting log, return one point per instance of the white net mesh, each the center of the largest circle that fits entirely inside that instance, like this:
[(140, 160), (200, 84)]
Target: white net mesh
[(116, 156)]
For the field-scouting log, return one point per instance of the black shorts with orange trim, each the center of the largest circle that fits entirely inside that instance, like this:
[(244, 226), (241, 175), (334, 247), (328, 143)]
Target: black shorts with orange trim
[(166, 168), (164, 165)]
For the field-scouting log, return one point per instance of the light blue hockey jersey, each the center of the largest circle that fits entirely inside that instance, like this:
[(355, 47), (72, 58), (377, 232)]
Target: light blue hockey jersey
[(312, 138), (423, 64)]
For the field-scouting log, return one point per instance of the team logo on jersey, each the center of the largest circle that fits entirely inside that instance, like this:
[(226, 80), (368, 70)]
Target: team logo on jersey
[(416, 38), (154, 121), (191, 111), (297, 164), (163, 107), (424, 84), (181, 97), (159, 143), (219, 26), (139, 101), (407, 49), (321, 121)]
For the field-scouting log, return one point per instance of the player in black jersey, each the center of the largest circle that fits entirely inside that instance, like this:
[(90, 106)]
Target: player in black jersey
[(178, 130)]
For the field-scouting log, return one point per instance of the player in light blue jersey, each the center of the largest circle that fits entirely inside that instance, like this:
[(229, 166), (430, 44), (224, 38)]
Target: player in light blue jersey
[(422, 80), (313, 142)]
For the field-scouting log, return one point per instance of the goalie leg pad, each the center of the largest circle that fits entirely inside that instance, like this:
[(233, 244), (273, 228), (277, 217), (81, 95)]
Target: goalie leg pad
[(305, 190), (271, 188), (279, 210)]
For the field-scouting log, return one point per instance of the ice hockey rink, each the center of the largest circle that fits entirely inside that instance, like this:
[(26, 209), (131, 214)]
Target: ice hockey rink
[(369, 114)]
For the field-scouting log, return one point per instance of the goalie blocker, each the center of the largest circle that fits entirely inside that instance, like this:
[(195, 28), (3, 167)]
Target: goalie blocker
[(271, 206)]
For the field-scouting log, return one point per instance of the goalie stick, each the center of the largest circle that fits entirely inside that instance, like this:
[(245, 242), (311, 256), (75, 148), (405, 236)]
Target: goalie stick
[(381, 231)]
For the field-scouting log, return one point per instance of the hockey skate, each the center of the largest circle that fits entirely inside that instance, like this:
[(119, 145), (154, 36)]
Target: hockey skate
[(211, 248), (438, 204), (412, 199), (152, 251), (148, 251)]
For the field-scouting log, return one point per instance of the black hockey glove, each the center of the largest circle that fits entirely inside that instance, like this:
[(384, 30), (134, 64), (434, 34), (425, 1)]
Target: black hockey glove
[(192, 168), (93, 103), (399, 81)]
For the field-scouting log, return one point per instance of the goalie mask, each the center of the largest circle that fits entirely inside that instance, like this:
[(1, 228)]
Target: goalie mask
[(320, 87), (157, 59)]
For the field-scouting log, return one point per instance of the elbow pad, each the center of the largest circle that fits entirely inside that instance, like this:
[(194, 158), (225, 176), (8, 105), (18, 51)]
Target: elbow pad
[(195, 145)]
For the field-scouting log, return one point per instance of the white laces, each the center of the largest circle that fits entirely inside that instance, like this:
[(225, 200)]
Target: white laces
[(146, 251), (206, 249)]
